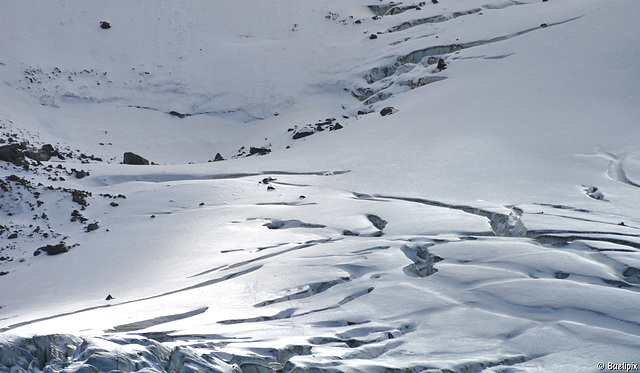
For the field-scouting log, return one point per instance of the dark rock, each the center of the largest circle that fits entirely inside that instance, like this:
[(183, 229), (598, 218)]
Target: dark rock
[(347, 232), (436, 1), (46, 152), (52, 249), (373, 36), (32, 154), (13, 235), (303, 133), (218, 158), (48, 148), (179, 115), (201, 204), (153, 216), (131, 158), (109, 297), (36, 155), (302, 197), (270, 188), (441, 65), (79, 197), (387, 111), (4, 273), (11, 153), (105, 25), (338, 126), (267, 180), (77, 216), (13, 178), (114, 204), (92, 227), (377, 221), (544, 25), (621, 224), (259, 151), (80, 173)]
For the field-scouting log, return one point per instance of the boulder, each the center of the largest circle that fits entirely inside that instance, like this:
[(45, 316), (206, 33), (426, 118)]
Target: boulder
[(377, 221), (134, 159), (80, 173), (92, 227), (11, 153), (387, 111), (259, 151), (52, 249), (301, 134)]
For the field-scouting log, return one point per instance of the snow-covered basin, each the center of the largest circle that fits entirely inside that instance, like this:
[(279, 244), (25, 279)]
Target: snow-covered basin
[(521, 136)]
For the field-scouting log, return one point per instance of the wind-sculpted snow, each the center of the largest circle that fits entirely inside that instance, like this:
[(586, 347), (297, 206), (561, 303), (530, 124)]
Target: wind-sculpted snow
[(534, 282)]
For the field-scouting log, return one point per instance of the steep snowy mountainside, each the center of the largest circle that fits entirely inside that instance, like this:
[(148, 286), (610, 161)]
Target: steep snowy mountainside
[(405, 187)]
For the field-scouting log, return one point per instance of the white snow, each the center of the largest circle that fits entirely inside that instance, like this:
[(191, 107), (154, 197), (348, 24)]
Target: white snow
[(490, 223)]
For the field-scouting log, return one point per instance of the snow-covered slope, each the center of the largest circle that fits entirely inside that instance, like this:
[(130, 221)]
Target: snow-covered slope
[(373, 212)]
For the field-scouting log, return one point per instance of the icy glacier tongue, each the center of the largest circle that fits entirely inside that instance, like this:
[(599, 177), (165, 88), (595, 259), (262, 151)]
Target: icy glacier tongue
[(416, 186)]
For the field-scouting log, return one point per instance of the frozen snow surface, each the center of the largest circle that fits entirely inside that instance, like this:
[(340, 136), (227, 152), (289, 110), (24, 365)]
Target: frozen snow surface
[(342, 186)]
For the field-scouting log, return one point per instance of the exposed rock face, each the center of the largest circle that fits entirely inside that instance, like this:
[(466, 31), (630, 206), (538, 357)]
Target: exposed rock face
[(105, 25), (131, 158)]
